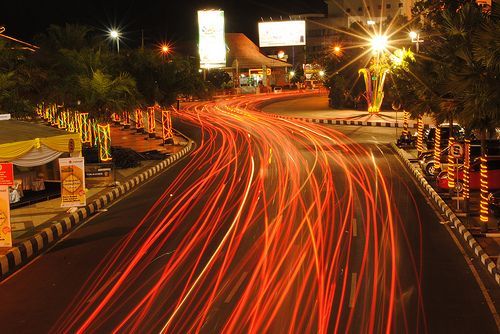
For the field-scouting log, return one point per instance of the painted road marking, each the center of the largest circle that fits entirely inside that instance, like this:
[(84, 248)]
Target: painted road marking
[(235, 288), (354, 278), (354, 227)]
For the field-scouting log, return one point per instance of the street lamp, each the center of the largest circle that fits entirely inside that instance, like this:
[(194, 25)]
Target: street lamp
[(415, 38), (321, 73), (379, 43), (115, 34)]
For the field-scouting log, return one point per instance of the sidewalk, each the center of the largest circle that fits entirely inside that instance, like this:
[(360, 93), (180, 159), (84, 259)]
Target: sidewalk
[(38, 225), (316, 108)]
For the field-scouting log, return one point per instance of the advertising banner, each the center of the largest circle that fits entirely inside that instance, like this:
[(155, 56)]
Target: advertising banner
[(5, 230), (6, 174), (72, 182), (212, 44), (282, 33), (99, 175)]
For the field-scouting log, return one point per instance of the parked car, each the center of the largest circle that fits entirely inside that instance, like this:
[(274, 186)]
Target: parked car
[(430, 134), (493, 165), (426, 161), (494, 203), (277, 89)]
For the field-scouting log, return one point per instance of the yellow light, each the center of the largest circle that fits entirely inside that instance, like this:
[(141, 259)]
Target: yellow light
[(379, 43), (413, 35), (483, 177), (292, 74), (336, 49), (114, 34), (165, 49), (321, 73), (281, 54)]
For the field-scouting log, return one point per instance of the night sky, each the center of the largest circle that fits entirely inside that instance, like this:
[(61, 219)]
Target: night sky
[(171, 20)]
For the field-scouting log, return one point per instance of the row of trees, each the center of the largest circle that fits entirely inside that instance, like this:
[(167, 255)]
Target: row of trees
[(457, 74), (75, 67)]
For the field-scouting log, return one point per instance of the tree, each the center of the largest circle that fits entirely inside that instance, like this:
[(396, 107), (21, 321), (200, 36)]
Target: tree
[(102, 94)]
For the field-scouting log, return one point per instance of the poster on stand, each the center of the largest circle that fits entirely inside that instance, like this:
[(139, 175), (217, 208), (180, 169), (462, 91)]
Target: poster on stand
[(5, 229), (72, 182)]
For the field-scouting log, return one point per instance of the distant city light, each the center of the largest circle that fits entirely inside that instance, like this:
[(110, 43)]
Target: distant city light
[(370, 22), (292, 73), (337, 49), (413, 35), (321, 73)]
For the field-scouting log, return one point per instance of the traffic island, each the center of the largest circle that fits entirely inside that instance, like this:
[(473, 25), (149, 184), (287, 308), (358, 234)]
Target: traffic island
[(470, 240)]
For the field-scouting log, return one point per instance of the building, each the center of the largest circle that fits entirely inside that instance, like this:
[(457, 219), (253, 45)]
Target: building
[(322, 30), (248, 67)]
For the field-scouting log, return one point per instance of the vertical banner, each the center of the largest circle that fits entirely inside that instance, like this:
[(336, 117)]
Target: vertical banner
[(6, 174), (5, 230), (212, 44), (72, 182)]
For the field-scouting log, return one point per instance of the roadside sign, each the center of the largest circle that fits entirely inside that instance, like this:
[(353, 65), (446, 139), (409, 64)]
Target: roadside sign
[(457, 150), (6, 174), (5, 229)]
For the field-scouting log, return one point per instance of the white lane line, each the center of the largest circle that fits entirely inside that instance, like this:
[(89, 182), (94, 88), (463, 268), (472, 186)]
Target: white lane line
[(354, 227), (354, 279), (235, 288)]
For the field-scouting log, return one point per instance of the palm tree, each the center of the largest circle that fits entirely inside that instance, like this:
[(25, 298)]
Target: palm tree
[(475, 83)]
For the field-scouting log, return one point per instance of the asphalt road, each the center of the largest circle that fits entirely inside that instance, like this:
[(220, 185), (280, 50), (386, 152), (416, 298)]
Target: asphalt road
[(268, 226)]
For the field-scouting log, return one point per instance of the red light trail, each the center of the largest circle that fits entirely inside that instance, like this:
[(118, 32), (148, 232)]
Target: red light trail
[(273, 226)]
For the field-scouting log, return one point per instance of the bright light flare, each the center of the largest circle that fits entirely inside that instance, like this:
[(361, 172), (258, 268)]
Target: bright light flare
[(379, 43), (114, 34), (413, 35)]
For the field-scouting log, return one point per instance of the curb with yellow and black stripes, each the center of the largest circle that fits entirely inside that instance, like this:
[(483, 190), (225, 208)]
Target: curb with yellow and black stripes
[(330, 121), (27, 250), (448, 212)]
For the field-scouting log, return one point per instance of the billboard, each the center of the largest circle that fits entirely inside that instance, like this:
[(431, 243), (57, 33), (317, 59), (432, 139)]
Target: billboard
[(282, 33), (212, 45)]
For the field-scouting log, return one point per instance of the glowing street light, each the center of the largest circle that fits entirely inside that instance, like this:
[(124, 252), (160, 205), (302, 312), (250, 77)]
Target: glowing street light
[(321, 73), (115, 34), (379, 43), (415, 38), (337, 49), (292, 74)]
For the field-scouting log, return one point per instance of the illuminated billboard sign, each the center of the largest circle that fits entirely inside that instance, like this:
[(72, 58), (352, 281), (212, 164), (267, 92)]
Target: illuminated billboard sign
[(212, 45), (282, 33)]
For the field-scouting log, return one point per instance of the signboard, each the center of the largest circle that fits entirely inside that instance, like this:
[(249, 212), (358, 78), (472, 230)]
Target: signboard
[(72, 182), (259, 71), (6, 174), (99, 175), (4, 117), (282, 33), (5, 230), (457, 150), (212, 45)]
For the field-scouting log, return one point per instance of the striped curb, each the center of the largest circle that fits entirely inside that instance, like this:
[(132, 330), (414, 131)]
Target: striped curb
[(28, 249), (448, 212), (347, 122)]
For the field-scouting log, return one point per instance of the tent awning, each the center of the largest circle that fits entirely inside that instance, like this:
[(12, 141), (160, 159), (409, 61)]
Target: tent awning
[(29, 144)]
